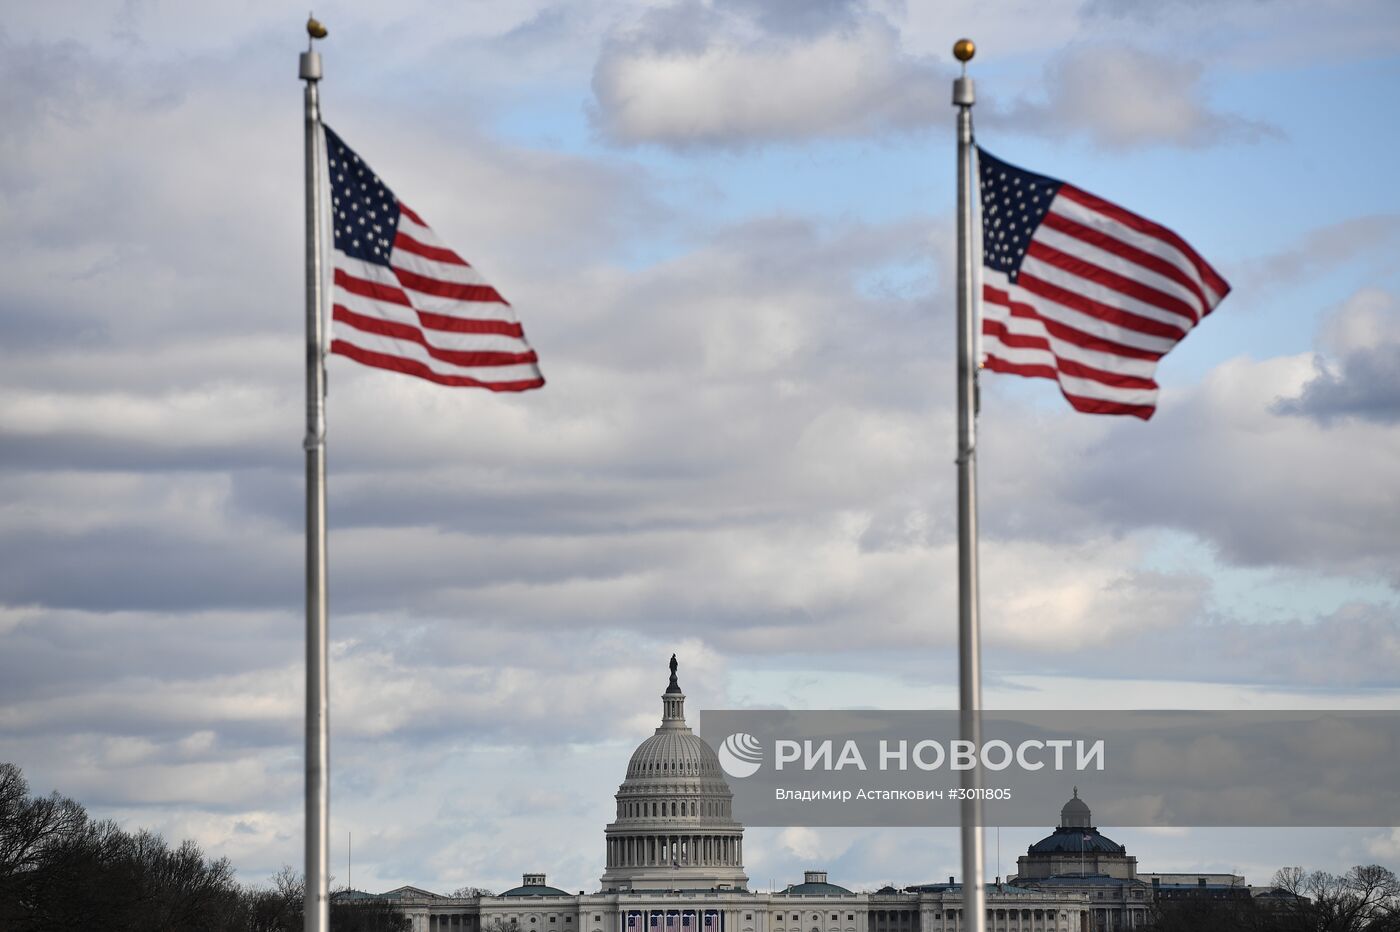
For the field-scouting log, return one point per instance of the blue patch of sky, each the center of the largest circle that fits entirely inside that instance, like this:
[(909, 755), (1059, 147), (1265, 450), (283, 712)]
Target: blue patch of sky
[(1263, 595), (870, 180), (873, 181), (1235, 202)]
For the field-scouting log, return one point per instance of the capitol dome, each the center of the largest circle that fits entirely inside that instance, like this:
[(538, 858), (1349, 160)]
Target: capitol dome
[(674, 829), (672, 752)]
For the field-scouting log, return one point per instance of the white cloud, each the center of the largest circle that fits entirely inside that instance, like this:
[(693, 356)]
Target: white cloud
[(1385, 848), (712, 75)]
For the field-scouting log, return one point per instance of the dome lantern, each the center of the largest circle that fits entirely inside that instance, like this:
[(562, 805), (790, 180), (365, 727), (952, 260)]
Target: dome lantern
[(1075, 813), (673, 701)]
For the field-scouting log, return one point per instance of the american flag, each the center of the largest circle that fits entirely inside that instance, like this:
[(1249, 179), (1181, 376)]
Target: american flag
[(404, 301), (1082, 291)]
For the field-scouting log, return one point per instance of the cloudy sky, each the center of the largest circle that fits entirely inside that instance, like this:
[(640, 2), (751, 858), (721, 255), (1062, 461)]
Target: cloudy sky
[(727, 227)]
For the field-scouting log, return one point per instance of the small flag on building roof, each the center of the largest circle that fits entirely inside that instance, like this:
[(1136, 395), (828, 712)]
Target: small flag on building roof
[(1080, 290), (406, 302)]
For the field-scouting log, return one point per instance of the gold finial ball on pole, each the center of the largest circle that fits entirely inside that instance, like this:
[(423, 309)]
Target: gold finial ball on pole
[(964, 49), (314, 29)]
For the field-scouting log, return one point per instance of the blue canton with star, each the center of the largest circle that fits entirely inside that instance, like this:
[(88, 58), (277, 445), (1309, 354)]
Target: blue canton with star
[(1014, 201), (364, 212)]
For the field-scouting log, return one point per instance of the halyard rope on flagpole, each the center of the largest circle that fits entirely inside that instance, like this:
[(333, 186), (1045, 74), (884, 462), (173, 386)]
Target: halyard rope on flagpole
[(316, 900), (974, 893)]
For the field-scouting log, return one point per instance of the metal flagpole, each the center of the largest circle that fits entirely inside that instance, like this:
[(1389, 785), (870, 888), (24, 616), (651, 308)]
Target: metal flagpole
[(974, 893), (316, 902)]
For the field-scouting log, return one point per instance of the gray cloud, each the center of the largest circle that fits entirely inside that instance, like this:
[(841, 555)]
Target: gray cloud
[(1369, 239), (1356, 646), (1367, 386), (806, 18), (1124, 97), (1360, 376), (1156, 12)]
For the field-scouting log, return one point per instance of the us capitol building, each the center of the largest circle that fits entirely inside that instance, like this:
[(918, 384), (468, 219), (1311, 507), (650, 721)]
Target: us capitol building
[(675, 863)]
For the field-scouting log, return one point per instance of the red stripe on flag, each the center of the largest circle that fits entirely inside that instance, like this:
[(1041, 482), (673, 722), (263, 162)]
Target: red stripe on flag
[(1131, 287), (437, 253), (1147, 227), (1037, 371), (401, 331), (410, 214), (506, 328), (1105, 312), (413, 367), (1078, 402), (441, 289), (1100, 406), (368, 289), (997, 329), (1087, 234), (1063, 331)]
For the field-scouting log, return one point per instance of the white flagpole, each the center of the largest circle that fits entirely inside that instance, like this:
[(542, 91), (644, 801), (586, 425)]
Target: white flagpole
[(974, 893), (316, 902)]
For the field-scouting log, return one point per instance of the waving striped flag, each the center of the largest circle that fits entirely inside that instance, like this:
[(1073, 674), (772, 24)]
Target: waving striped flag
[(1082, 291), (404, 301)]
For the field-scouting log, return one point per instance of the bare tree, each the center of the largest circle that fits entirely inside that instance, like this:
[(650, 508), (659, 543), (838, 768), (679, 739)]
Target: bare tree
[(1364, 898)]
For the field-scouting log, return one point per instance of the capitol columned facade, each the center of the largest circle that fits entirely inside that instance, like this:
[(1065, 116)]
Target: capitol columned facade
[(675, 863)]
